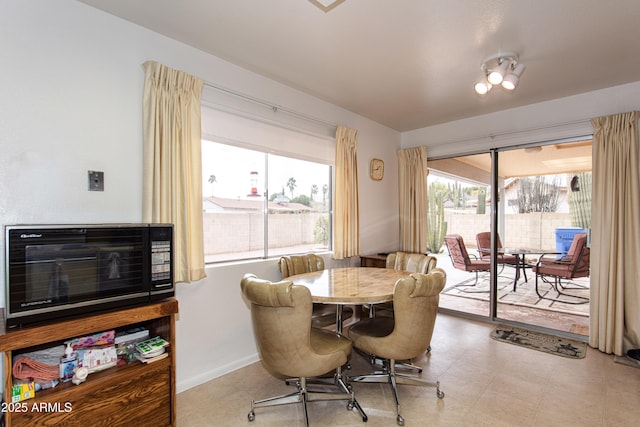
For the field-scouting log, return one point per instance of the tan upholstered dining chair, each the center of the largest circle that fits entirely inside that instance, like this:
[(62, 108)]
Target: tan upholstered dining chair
[(323, 314), (413, 262), (407, 261), (288, 345), (404, 336)]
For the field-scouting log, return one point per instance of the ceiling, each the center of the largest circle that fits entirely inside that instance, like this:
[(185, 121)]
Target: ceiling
[(408, 64), (550, 159)]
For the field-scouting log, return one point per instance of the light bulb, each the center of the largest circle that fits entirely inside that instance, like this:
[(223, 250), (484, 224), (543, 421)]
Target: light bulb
[(511, 80), (495, 78), (496, 75), (482, 88)]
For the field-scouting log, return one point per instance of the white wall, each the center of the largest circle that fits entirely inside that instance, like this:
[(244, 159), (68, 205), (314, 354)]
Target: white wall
[(71, 102)]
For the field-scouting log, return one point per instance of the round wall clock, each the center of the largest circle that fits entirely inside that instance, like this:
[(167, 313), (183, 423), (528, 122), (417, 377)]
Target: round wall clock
[(377, 169)]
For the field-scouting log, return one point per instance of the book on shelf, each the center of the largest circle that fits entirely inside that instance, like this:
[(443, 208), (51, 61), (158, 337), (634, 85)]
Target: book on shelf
[(151, 359), (151, 347)]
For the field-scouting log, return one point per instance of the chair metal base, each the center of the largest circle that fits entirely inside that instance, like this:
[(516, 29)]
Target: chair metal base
[(338, 380), (557, 286), (303, 395), (475, 283), (406, 365), (389, 375)]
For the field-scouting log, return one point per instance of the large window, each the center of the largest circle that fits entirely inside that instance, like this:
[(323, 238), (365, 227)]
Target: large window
[(257, 204)]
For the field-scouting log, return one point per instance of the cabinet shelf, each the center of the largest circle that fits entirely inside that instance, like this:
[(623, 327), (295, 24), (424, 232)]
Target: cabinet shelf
[(132, 394)]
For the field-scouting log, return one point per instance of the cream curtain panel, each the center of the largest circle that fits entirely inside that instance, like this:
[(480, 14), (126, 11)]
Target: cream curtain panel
[(615, 212), (172, 181), (412, 187), (347, 213)]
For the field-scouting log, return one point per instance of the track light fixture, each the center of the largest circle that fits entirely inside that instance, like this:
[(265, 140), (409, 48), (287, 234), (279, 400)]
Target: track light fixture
[(500, 69)]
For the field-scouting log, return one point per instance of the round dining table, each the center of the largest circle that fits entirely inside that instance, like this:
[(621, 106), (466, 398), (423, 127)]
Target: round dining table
[(520, 255), (350, 285)]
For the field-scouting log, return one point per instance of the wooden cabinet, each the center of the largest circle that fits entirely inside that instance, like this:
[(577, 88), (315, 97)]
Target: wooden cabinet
[(134, 394), (373, 261)]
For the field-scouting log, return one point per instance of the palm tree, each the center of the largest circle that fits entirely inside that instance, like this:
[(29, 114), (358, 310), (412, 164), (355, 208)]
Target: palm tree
[(314, 191), (325, 190), (291, 185)]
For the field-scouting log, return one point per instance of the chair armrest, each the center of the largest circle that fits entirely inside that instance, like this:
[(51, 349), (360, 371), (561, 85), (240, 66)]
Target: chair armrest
[(485, 251), (549, 258)]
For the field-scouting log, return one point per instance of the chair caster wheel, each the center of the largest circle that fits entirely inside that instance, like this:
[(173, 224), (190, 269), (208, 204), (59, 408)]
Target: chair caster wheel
[(400, 420), (440, 394), (350, 406), (349, 387), (428, 349), (251, 416)]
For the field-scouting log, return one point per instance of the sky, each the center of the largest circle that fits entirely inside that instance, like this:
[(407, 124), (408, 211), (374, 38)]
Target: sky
[(232, 167)]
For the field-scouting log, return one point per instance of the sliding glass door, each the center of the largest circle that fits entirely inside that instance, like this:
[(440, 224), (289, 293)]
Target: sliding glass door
[(529, 201), (547, 194), (459, 192)]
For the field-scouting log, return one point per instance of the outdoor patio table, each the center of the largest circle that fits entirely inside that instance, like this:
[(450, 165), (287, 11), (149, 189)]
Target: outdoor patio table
[(521, 259)]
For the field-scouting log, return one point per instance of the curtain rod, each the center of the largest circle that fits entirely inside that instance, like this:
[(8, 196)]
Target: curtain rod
[(274, 107), (493, 136)]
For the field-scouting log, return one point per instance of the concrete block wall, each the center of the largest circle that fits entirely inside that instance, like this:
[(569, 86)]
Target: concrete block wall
[(533, 230), (244, 232)]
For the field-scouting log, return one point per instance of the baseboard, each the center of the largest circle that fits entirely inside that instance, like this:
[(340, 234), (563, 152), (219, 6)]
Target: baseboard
[(184, 385)]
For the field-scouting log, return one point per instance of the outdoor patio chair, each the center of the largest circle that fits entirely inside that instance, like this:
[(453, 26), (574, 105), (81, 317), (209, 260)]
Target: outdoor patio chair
[(461, 259), (484, 249), (552, 270)]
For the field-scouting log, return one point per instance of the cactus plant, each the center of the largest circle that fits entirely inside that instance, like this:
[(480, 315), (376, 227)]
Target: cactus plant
[(436, 225), (457, 195), (481, 209), (579, 199)]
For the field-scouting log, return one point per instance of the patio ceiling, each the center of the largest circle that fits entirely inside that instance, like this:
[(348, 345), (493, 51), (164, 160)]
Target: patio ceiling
[(550, 159)]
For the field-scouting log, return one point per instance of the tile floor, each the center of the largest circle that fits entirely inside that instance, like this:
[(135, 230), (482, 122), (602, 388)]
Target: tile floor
[(486, 383)]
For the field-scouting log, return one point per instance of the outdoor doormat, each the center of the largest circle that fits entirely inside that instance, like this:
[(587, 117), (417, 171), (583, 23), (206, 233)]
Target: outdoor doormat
[(542, 342)]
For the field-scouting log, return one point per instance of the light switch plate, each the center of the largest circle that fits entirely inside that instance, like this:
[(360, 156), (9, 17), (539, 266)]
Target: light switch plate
[(96, 181)]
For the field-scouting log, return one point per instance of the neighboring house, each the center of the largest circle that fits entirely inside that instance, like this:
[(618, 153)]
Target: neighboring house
[(222, 205)]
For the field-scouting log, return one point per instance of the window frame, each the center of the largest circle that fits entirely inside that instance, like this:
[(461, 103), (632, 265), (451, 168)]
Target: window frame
[(267, 251)]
